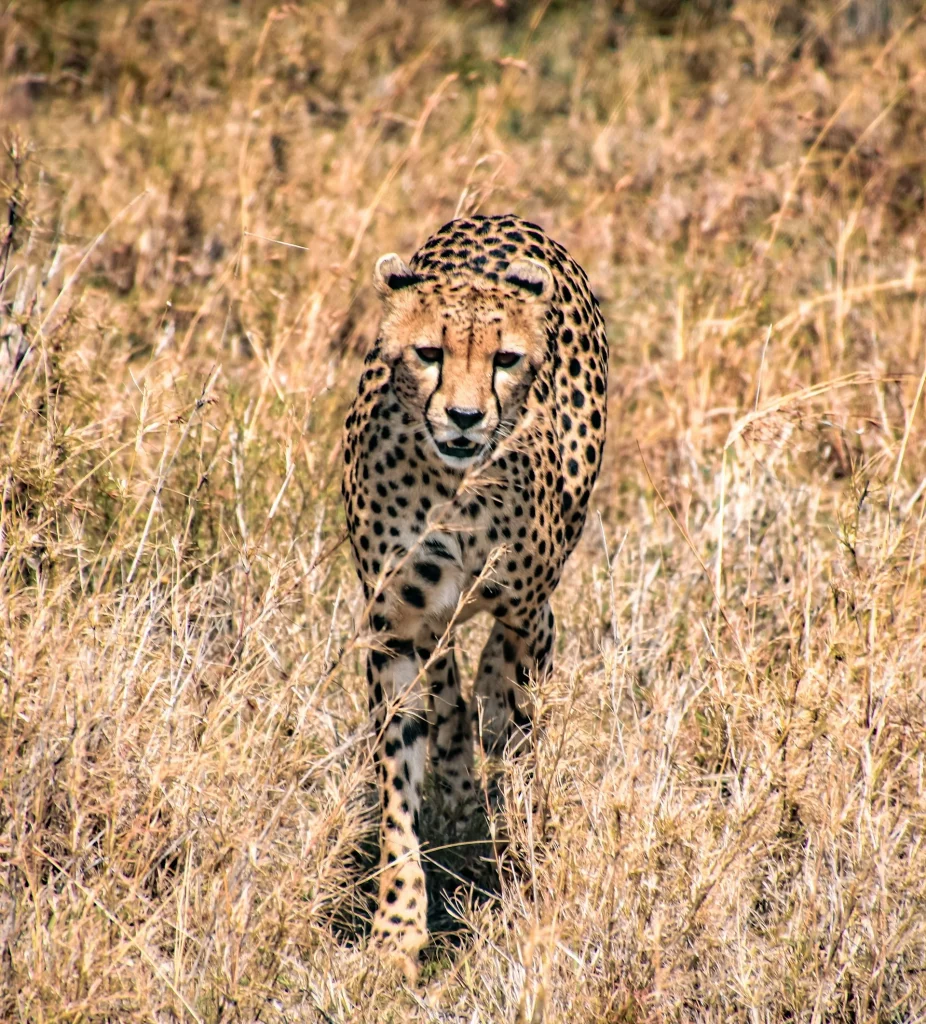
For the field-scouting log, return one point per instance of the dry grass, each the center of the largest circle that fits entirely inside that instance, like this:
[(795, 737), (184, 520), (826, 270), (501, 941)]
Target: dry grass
[(731, 813)]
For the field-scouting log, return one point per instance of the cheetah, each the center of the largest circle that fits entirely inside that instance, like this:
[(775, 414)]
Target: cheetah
[(470, 452)]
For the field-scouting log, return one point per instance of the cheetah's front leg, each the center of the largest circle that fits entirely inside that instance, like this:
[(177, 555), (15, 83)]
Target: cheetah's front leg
[(511, 660), (451, 736), (397, 704)]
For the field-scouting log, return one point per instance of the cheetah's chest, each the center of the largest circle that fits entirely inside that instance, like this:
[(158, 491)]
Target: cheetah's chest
[(491, 536)]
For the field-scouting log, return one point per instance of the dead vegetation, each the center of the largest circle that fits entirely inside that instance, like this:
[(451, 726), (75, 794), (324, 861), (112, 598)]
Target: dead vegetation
[(731, 811)]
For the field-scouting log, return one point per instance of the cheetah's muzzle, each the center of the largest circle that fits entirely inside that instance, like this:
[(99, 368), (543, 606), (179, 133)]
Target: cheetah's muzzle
[(459, 448), (492, 323)]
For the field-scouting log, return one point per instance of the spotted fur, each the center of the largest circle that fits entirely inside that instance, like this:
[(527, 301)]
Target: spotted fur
[(470, 453)]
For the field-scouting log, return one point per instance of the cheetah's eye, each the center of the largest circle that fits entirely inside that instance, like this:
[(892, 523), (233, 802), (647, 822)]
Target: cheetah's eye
[(505, 360), (430, 355)]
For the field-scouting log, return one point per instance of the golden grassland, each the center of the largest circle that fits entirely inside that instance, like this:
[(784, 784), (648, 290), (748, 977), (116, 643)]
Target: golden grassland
[(723, 818)]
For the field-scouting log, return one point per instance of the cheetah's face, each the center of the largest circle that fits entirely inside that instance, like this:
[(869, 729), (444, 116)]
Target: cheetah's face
[(464, 352)]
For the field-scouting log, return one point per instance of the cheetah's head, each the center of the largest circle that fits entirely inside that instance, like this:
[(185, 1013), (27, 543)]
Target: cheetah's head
[(464, 349)]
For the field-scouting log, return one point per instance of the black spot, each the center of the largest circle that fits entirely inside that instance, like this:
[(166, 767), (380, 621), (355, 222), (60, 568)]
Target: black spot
[(438, 549), (413, 729), (413, 596), (400, 648), (578, 399), (521, 720), (428, 571)]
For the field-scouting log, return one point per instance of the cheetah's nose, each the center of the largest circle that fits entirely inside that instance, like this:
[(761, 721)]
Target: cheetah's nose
[(465, 418)]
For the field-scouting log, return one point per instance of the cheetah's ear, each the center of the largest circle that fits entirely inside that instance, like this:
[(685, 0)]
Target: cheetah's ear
[(392, 273), (532, 276)]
